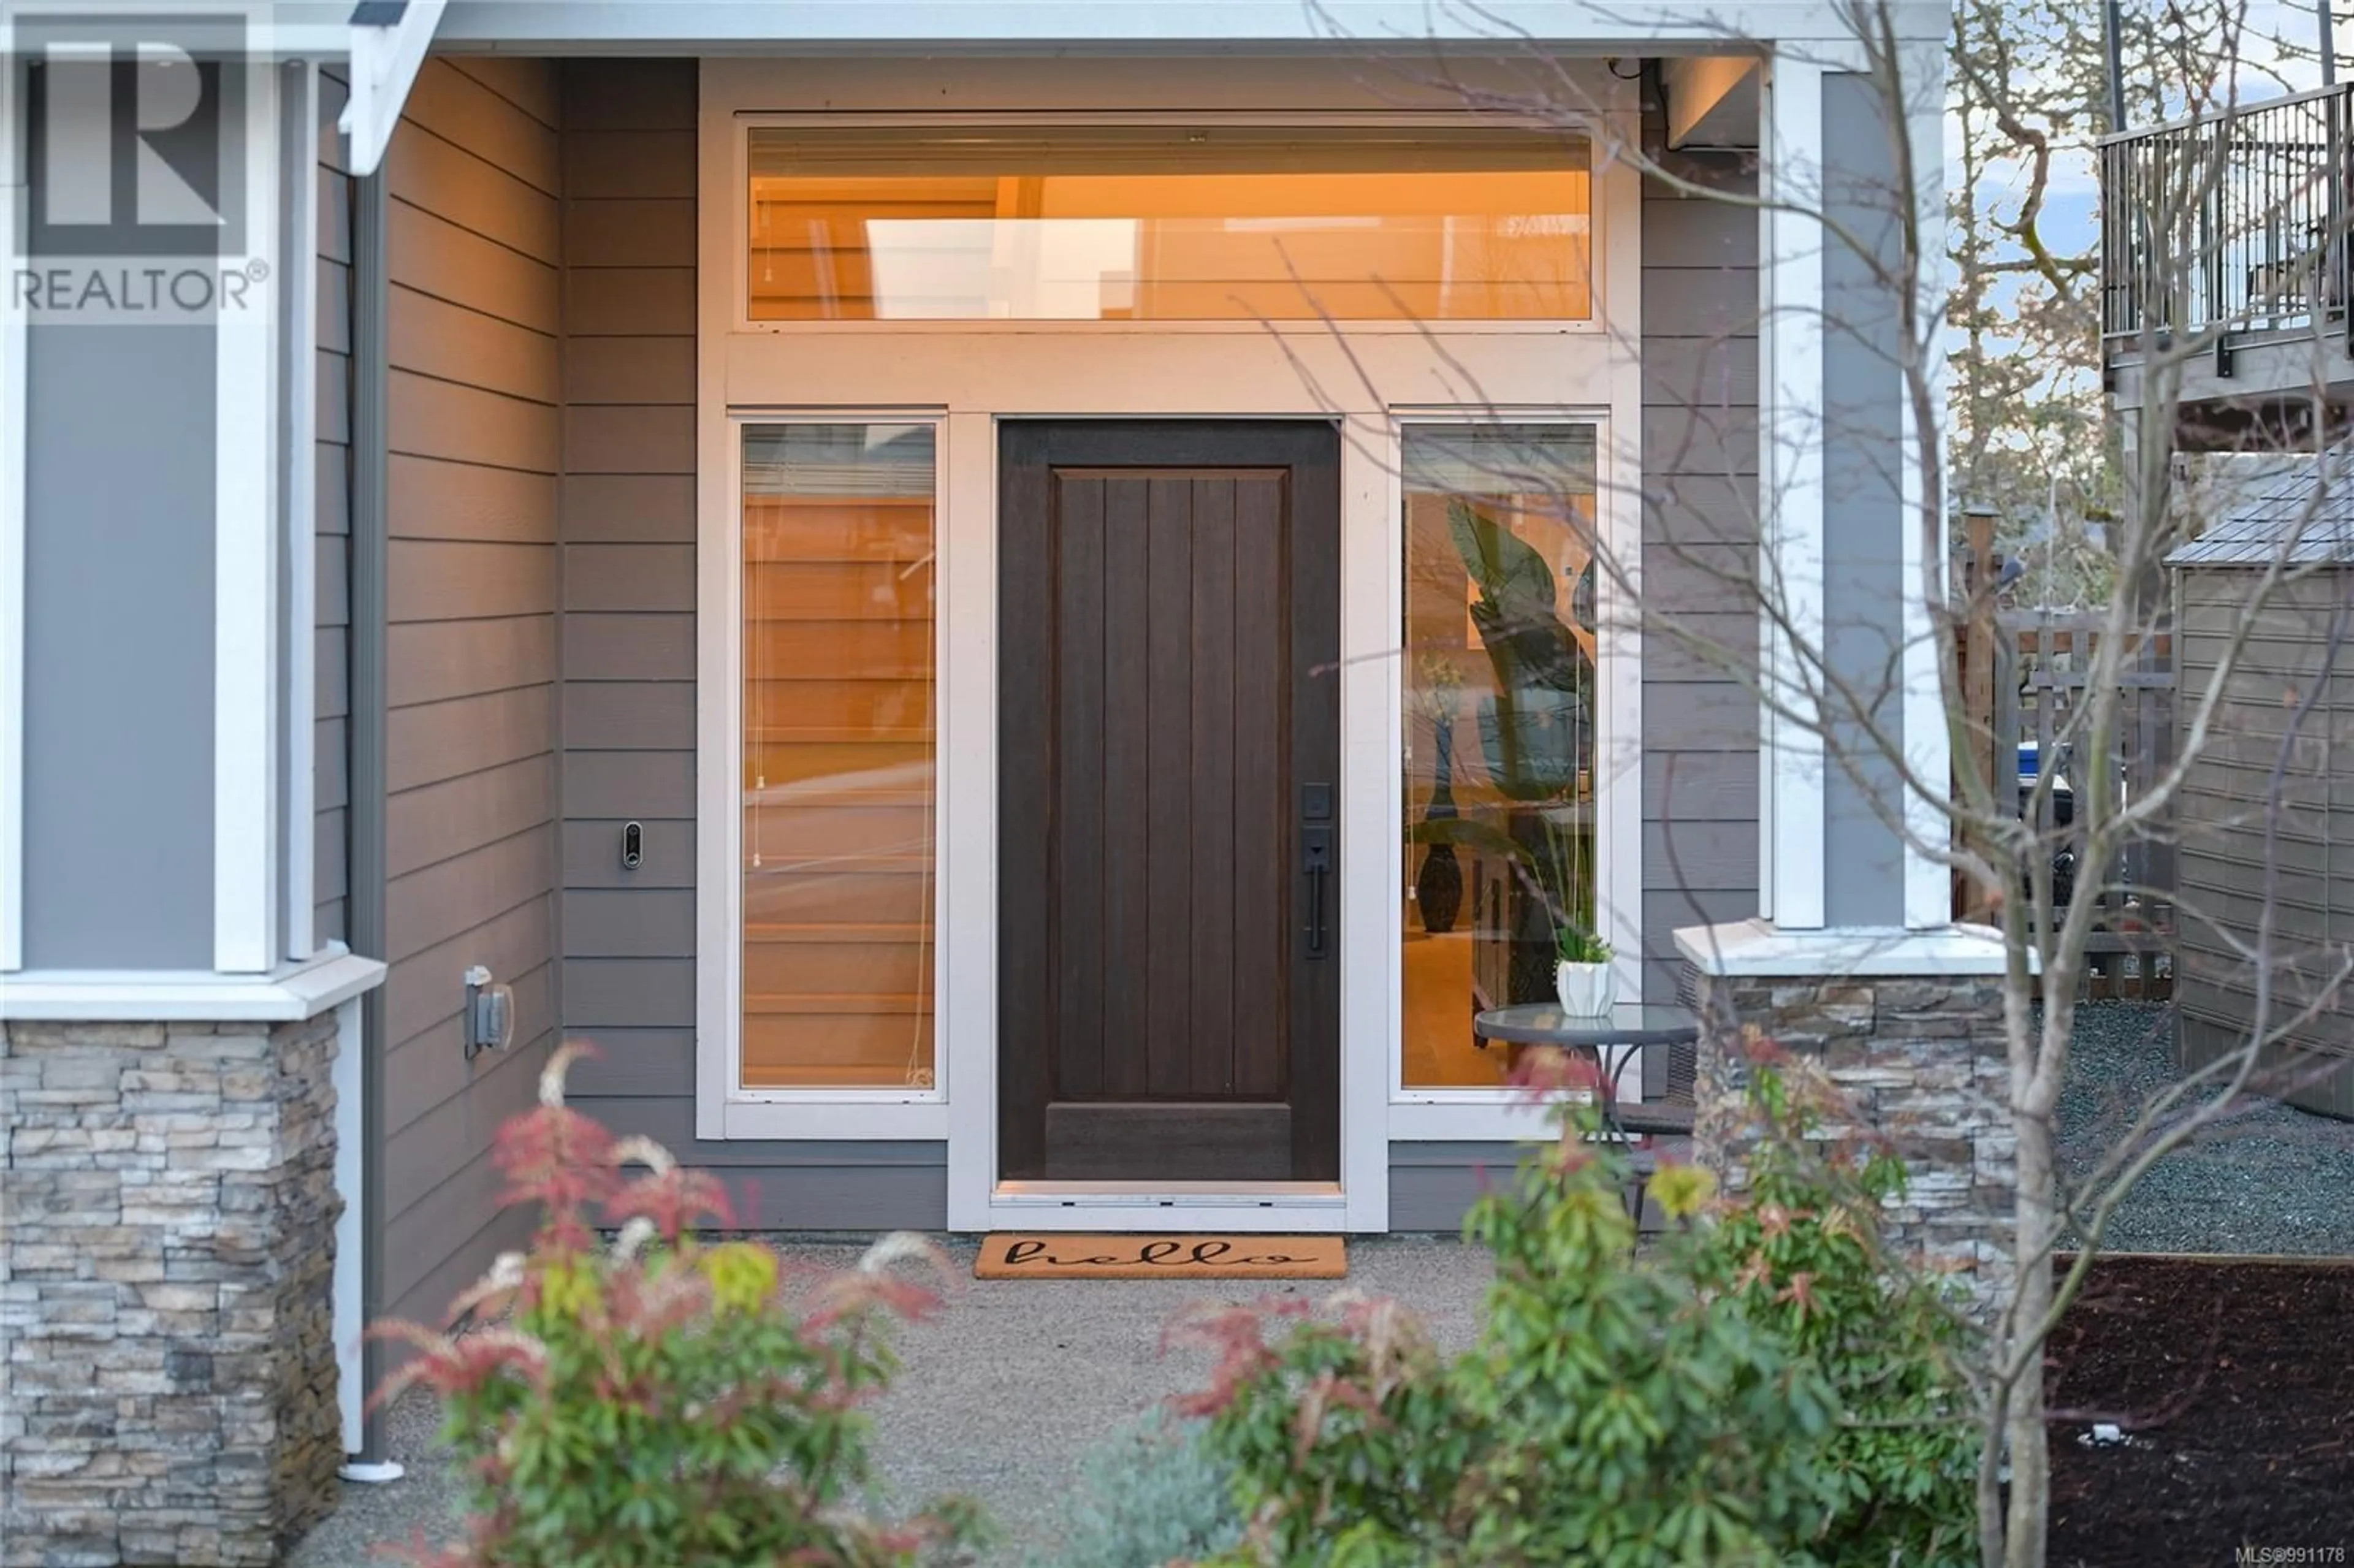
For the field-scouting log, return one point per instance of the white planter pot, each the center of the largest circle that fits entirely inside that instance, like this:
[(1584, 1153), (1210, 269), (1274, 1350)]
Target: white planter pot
[(1588, 989)]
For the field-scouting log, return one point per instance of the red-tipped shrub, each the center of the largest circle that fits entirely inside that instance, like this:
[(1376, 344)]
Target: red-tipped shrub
[(660, 1399)]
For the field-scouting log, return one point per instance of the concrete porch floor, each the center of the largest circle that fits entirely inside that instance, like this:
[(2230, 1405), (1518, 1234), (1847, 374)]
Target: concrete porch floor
[(1005, 1391)]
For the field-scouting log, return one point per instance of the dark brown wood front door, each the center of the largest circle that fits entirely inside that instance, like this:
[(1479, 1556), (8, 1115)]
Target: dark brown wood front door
[(1169, 742)]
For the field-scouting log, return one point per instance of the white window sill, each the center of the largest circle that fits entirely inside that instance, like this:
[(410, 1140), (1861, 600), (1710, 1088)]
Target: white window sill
[(1756, 949), (295, 992)]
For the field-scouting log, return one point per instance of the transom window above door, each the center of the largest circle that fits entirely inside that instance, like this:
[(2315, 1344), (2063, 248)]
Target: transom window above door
[(1168, 223)]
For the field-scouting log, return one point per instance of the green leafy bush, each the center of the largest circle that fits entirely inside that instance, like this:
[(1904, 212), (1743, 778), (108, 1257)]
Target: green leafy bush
[(1801, 1255), (1154, 1496), (1753, 1390), (662, 1400)]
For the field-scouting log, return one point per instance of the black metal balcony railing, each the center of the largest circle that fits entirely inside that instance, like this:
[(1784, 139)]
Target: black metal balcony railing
[(2234, 221)]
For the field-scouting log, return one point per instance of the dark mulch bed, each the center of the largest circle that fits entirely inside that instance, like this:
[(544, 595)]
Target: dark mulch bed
[(2233, 1381)]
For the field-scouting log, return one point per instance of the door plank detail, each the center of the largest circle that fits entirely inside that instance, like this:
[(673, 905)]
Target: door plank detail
[(1263, 844), (1082, 840), (1166, 741), (1214, 788), (1128, 665)]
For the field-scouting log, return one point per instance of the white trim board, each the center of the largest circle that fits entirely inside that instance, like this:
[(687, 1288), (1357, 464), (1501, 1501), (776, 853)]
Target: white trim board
[(1318, 1215), (967, 822), (247, 658), (13, 478), (349, 1310), (190, 996), (834, 1116), (1792, 825), (1928, 743), (717, 872), (1756, 949), (1466, 1121), (1358, 26)]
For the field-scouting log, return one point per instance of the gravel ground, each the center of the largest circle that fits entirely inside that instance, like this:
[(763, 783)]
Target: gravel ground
[(2271, 1179), (1005, 1391)]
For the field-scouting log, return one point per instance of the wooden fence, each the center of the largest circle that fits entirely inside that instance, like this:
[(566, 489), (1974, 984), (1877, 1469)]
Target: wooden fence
[(2026, 676)]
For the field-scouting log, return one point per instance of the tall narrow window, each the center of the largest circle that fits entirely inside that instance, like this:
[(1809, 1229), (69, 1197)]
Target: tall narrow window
[(1169, 223), (1499, 695), (839, 763)]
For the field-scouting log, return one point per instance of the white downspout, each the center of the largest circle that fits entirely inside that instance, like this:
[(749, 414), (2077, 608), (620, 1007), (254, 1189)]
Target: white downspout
[(350, 1310)]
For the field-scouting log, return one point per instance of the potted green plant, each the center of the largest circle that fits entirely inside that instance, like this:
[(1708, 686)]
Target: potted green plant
[(1584, 979)]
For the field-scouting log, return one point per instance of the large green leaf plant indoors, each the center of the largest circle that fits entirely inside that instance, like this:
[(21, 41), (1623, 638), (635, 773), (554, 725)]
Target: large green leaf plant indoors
[(1536, 729)]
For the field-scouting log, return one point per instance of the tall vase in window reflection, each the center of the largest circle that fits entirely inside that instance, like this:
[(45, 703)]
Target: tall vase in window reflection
[(1536, 728), (1439, 887)]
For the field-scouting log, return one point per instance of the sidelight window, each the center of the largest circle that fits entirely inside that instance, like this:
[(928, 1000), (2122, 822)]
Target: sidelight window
[(1169, 223), (839, 762), (1500, 697)]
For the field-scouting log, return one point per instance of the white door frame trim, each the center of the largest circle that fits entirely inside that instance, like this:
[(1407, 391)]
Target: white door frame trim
[(1371, 383)]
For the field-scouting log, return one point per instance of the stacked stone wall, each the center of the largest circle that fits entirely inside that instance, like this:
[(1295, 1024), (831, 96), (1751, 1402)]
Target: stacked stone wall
[(1920, 1060), (169, 1393)]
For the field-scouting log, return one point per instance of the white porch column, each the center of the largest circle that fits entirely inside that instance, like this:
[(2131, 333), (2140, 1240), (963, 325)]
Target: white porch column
[(248, 625), (1853, 750), (1928, 743), (1854, 963), (1790, 426), (158, 416), (158, 410)]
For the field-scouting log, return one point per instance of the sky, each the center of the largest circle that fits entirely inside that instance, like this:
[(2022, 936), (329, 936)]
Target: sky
[(2072, 196)]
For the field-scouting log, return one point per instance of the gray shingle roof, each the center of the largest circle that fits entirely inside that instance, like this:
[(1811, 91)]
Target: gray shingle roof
[(2305, 516)]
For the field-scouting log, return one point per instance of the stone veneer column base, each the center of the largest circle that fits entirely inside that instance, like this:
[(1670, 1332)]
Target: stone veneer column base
[(166, 1297), (1910, 1030)]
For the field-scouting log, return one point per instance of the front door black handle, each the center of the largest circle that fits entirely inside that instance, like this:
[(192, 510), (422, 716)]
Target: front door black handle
[(1316, 859)]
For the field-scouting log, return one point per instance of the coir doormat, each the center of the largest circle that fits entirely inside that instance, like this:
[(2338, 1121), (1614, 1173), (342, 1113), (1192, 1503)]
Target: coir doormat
[(1051, 1255)]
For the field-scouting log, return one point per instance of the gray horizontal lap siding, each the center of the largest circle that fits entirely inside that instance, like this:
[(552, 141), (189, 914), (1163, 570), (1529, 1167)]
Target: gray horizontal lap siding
[(628, 704), (2255, 845), (1432, 1184), (1700, 528), (330, 750), (474, 393)]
